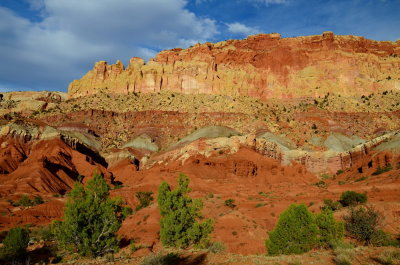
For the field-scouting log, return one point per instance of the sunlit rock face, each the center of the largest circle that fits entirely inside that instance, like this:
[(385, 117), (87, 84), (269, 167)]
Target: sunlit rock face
[(262, 66)]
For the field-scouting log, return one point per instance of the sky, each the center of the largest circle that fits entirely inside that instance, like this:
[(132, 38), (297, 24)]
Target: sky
[(46, 44)]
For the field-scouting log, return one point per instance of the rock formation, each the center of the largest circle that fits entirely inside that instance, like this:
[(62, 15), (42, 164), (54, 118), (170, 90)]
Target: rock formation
[(264, 121), (263, 66)]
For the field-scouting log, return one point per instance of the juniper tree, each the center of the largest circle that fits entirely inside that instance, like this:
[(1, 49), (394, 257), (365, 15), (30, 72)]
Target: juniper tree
[(15, 243), (299, 230), (296, 232), (91, 219), (179, 214)]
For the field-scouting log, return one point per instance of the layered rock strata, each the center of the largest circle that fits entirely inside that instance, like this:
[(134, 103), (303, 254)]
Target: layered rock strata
[(262, 66), (317, 162)]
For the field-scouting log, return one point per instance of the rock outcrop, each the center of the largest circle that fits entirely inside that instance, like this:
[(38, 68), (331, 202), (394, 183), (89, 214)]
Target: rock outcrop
[(262, 66), (35, 158), (29, 101), (316, 162)]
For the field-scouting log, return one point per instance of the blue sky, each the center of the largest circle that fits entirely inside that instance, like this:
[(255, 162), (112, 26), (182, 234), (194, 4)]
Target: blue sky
[(45, 44)]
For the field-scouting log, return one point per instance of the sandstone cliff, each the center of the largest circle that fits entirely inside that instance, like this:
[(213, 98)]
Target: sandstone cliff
[(262, 66)]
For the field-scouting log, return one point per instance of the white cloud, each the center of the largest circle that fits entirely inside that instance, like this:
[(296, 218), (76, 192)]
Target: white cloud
[(238, 28), (73, 34)]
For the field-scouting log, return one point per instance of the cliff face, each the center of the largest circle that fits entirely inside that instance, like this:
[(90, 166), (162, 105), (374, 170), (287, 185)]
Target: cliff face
[(262, 66)]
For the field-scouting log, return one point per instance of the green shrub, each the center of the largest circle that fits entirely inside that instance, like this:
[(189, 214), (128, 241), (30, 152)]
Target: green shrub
[(296, 232), (91, 219), (325, 176), (389, 257), (45, 233), (343, 257), (179, 213), (134, 247), (25, 201), (320, 184), (340, 244), (361, 179), (331, 205), (340, 171), (230, 203), (216, 247), (349, 198), (343, 252), (362, 223), (328, 228), (145, 198), (126, 212), (38, 200), (381, 239), (381, 170), (15, 243)]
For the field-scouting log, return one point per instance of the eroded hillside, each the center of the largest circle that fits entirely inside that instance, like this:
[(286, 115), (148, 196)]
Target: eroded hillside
[(297, 144)]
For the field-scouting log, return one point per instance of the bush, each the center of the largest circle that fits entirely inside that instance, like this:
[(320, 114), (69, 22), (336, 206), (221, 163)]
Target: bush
[(135, 247), (328, 228), (349, 198), (299, 230), (331, 205), (389, 257), (179, 214), (361, 179), (295, 233), (25, 201), (362, 223), (320, 184), (216, 247), (343, 252), (325, 176), (230, 203), (45, 233), (381, 239), (340, 244), (126, 212), (145, 198), (91, 219), (340, 171), (15, 243), (343, 256), (381, 170), (38, 200)]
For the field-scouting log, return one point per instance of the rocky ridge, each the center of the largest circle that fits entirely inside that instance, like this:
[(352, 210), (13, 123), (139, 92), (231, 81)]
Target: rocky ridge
[(261, 66), (265, 121)]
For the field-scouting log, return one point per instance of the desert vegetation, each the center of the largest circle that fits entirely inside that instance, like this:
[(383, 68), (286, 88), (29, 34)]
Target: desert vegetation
[(91, 219), (299, 231), (179, 226), (14, 245), (293, 158)]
